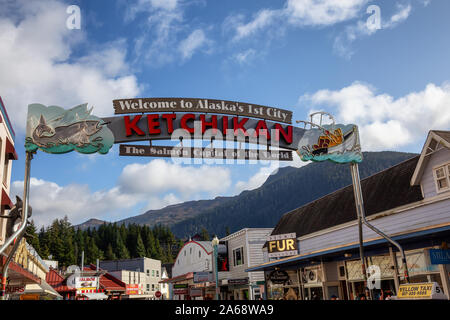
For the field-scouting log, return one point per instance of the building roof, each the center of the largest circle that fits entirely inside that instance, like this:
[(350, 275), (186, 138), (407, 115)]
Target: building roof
[(4, 117), (57, 281), (436, 140), (443, 134), (108, 281), (382, 191), (183, 277), (168, 267)]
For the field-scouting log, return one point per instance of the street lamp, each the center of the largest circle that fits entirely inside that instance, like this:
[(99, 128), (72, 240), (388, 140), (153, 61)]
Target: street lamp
[(215, 244)]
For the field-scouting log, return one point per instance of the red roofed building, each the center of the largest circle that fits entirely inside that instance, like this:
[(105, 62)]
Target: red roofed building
[(58, 282), (113, 287)]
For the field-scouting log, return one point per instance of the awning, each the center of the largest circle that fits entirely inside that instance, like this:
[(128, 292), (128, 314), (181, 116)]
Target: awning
[(10, 150), (95, 296), (43, 288), (6, 201), (298, 258)]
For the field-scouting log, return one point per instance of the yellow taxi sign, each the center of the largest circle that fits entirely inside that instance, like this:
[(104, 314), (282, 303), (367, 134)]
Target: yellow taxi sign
[(427, 290)]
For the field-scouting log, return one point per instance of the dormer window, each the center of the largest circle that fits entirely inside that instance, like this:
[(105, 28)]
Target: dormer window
[(442, 178)]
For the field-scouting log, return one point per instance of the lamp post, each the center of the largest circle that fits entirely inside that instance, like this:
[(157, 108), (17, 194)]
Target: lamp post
[(215, 244)]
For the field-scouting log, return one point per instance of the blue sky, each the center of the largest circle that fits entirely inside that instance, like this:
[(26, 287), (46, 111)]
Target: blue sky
[(300, 55)]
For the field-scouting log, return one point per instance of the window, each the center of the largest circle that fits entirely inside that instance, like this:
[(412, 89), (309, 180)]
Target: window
[(157, 273), (148, 287), (238, 256), (153, 287), (442, 178), (148, 272), (153, 273)]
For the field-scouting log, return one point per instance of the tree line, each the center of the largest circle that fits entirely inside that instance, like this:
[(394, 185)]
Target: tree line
[(64, 243)]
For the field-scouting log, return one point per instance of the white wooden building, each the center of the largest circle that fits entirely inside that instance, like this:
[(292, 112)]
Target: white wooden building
[(410, 202), (244, 251)]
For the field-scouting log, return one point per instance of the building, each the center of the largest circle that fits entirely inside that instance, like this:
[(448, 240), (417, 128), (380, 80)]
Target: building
[(409, 202), (244, 251), (7, 154), (166, 273), (193, 259), (26, 271), (148, 273), (135, 283)]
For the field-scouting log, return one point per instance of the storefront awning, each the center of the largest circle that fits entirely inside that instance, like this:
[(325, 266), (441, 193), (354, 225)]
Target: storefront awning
[(6, 201), (298, 258), (43, 288), (10, 150)]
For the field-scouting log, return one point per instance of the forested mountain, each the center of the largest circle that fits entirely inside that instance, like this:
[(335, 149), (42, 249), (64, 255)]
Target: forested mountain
[(284, 191)]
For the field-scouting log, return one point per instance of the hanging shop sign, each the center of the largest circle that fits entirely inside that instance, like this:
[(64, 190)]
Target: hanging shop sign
[(56, 130), (86, 284), (235, 282), (15, 289), (204, 153), (203, 277), (439, 256), (146, 105), (430, 290), (180, 291), (222, 256), (180, 286), (282, 245), (133, 289), (279, 277), (195, 292)]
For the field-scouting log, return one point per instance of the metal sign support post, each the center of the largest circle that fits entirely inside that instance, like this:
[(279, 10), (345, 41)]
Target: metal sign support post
[(362, 220), (21, 231)]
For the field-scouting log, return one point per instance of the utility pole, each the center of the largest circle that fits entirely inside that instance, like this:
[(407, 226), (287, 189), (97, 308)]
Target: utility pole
[(362, 220)]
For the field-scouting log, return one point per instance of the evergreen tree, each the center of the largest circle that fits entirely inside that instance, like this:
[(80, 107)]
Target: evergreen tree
[(121, 250), (109, 254), (140, 248), (204, 234), (32, 236)]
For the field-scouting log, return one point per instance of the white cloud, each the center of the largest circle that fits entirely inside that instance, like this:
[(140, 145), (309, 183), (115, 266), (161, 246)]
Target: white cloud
[(343, 42), (193, 42), (164, 38), (37, 64), (322, 12), (159, 176), (155, 184), (384, 121), (301, 13), (51, 201), (245, 56), (262, 19)]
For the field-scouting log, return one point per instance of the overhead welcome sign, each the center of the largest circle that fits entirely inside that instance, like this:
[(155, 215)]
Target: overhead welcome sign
[(55, 130)]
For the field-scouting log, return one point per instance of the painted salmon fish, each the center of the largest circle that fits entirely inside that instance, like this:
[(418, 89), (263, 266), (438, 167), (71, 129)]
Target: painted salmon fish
[(77, 133)]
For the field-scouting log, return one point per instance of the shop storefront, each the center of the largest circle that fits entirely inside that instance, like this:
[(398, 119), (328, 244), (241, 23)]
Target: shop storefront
[(408, 201)]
